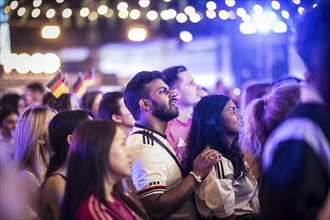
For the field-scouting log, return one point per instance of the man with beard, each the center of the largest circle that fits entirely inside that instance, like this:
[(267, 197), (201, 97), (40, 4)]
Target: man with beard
[(156, 179)]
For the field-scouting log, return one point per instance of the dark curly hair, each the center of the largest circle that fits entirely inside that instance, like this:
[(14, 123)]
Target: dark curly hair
[(135, 91), (60, 104)]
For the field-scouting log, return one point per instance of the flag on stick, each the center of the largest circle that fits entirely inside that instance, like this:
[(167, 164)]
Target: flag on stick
[(79, 87), (57, 86), (90, 78), (65, 81)]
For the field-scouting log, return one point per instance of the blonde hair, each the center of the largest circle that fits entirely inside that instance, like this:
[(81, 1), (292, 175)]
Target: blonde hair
[(31, 129), (261, 117)]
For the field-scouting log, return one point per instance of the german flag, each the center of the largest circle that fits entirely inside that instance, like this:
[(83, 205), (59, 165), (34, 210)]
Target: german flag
[(79, 87), (57, 86), (65, 81), (90, 78)]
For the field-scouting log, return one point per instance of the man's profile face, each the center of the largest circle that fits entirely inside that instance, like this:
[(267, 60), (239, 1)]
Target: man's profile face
[(188, 89), (163, 104)]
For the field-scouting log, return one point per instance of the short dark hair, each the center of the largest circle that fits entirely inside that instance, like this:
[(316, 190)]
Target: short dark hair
[(5, 111), (109, 105), (11, 100), (135, 90), (87, 100), (36, 86), (170, 75), (60, 104)]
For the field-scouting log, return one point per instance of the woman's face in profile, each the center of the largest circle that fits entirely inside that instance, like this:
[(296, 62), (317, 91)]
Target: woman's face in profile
[(120, 158), (231, 117)]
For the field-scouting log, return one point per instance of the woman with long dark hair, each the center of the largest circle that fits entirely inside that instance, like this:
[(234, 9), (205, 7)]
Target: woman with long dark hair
[(228, 190), (98, 161), (60, 133)]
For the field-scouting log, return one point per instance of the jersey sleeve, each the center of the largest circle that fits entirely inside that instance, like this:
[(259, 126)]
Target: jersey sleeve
[(148, 172)]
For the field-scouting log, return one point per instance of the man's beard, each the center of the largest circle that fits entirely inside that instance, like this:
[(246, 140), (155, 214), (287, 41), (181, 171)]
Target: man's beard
[(164, 113)]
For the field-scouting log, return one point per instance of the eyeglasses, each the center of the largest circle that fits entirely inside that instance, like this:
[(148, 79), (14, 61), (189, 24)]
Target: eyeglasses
[(233, 110)]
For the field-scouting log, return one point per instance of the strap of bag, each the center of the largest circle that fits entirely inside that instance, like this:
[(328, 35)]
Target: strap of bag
[(152, 137)]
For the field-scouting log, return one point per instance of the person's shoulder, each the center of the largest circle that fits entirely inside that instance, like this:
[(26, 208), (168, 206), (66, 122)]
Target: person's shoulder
[(54, 182)]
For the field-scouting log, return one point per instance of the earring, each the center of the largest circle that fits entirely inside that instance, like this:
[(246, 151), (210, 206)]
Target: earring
[(41, 142)]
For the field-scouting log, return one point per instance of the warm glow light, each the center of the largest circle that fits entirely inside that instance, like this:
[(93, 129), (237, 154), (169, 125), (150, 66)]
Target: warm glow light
[(10, 62), (52, 63), (164, 15), (13, 5), (276, 5), (134, 14), (194, 18), (122, 6), (50, 32), (152, 15), (240, 12), (67, 13), (262, 22), (50, 13), (123, 14), (102, 9), (272, 15), (36, 60), (211, 5), (59, 1), (35, 12), (93, 16), (144, 3), (297, 2), (246, 18), (37, 63), (230, 3), (211, 14), (247, 28), (285, 14), (137, 34), (181, 18), (279, 27), (186, 36), (23, 63), (258, 9), (189, 10), (301, 10), (109, 13), (171, 13), (223, 14), (37, 3), (21, 11), (84, 12), (6, 10)]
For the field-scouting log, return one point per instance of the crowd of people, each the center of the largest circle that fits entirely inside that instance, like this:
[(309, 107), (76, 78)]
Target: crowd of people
[(165, 148)]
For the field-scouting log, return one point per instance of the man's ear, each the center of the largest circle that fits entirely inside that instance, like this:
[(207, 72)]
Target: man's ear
[(144, 104), (116, 118)]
